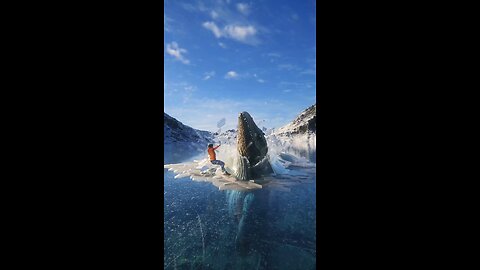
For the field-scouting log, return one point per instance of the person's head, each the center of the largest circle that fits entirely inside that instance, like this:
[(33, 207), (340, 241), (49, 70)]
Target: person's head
[(210, 145)]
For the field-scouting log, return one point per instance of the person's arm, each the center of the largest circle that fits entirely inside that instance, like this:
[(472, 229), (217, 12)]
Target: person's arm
[(216, 147)]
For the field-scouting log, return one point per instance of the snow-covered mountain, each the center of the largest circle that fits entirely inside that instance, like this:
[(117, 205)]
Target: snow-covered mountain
[(176, 131), (304, 123), (299, 137), (182, 141)]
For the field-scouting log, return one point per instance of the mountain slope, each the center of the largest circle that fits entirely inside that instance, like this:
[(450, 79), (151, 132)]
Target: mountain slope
[(299, 136), (303, 123), (182, 141), (176, 131)]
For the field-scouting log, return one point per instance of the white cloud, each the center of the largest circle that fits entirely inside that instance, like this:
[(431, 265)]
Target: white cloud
[(221, 44), (174, 50), (208, 75), (228, 21), (231, 75), (245, 34), (240, 33), (214, 28), (243, 8)]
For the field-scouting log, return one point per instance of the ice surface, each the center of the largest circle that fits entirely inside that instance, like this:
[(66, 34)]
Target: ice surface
[(205, 211), (203, 170), (284, 163)]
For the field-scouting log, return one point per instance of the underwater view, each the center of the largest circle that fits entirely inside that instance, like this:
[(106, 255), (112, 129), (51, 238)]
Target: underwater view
[(272, 227)]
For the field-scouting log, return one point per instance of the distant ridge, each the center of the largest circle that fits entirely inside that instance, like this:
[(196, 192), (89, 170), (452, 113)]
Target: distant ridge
[(182, 141), (176, 131)]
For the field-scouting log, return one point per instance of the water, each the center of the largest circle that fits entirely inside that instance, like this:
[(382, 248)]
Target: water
[(269, 228)]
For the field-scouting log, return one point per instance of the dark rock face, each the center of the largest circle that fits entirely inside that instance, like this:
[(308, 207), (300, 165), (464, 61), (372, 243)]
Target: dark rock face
[(309, 126)]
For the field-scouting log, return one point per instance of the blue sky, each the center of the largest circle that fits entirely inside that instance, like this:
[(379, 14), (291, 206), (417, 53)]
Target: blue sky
[(223, 57)]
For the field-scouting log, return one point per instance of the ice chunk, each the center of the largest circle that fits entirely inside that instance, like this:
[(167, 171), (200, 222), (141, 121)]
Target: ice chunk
[(221, 123)]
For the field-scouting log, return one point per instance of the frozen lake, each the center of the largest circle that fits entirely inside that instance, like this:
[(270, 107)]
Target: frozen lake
[(269, 228)]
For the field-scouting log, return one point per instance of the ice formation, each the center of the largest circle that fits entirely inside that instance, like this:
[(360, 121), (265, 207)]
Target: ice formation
[(284, 165), (291, 152)]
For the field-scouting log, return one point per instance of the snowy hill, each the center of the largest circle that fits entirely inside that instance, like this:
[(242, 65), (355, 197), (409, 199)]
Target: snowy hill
[(176, 131), (182, 141), (303, 123), (299, 137)]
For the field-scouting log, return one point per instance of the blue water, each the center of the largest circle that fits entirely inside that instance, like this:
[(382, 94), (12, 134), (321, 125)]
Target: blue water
[(268, 228)]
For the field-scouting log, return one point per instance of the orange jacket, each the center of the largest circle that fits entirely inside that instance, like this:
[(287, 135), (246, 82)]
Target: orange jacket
[(211, 152)]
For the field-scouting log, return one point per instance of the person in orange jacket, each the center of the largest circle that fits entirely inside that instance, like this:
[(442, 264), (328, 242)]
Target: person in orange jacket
[(213, 157)]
